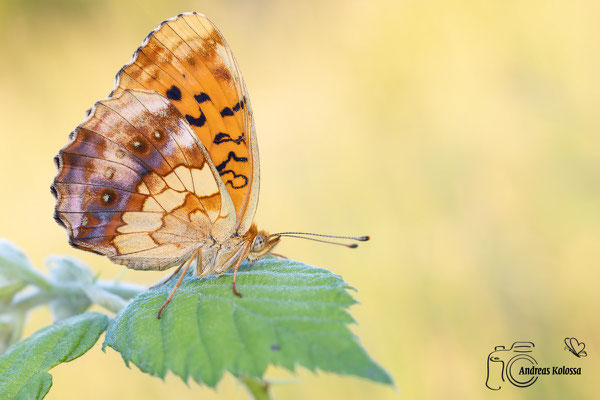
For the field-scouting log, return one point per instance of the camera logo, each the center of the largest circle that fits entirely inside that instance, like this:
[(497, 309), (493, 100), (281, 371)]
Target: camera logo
[(507, 364)]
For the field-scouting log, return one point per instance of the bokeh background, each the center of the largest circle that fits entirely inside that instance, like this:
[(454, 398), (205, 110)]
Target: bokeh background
[(463, 136)]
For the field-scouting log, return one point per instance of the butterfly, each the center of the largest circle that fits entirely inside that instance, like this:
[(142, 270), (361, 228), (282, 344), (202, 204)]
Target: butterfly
[(576, 347), (165, 170)]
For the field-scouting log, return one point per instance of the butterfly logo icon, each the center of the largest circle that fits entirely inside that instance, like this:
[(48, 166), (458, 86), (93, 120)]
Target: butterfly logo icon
[(576, 347)]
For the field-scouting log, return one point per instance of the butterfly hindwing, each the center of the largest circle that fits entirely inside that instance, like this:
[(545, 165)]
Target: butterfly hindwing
[(135, 184), (187, 60)]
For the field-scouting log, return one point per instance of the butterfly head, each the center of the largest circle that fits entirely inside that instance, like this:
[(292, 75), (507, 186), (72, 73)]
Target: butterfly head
[(262, 243)]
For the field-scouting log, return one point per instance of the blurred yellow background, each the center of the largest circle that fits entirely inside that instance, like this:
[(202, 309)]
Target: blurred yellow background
[(463, 136)]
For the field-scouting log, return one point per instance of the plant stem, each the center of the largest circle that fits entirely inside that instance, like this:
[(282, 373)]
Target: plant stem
[(30, 301), (258, 389), (58, 290), (125, 290)]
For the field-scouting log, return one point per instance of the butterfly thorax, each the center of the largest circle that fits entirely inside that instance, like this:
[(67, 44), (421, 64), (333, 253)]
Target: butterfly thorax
[(219, 257)]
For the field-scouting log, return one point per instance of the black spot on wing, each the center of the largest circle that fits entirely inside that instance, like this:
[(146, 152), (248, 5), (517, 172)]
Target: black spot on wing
[(200, 121), (174, 93), (202, 97), (224, 137), (236, 181), (226, 112), (230, 156)]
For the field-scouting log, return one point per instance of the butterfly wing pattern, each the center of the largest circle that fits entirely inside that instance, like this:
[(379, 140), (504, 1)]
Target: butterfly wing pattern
[(134, 184), (187, 60), (167, 166)]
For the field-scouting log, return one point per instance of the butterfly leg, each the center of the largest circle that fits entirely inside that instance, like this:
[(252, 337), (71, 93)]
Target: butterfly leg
[(199, 266), (185, 268), (237, 266), (168, 279), (279, 255)]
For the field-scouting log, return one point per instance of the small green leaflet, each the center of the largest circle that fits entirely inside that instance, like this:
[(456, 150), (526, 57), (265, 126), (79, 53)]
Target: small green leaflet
[(290, 314), (16, 271), (24, 367)]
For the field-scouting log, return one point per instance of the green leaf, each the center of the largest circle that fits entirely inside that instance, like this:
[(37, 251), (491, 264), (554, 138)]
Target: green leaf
[(23, 369), (11, 327), (69, 269), (15, 264), (16, 271), (65, 269), (290, 314)]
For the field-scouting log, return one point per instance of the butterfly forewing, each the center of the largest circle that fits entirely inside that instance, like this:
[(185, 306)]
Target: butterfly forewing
[(134, 183), (187, 60)]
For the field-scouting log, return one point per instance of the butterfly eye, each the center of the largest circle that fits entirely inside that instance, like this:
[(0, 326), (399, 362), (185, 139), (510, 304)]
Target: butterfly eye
[(259, 243)]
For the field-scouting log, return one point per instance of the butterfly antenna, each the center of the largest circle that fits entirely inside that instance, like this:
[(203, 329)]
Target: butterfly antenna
[(303, 235), (357, 238)]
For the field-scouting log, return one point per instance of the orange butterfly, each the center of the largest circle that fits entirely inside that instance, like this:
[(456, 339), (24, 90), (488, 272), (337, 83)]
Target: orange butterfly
[(166, 169)]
